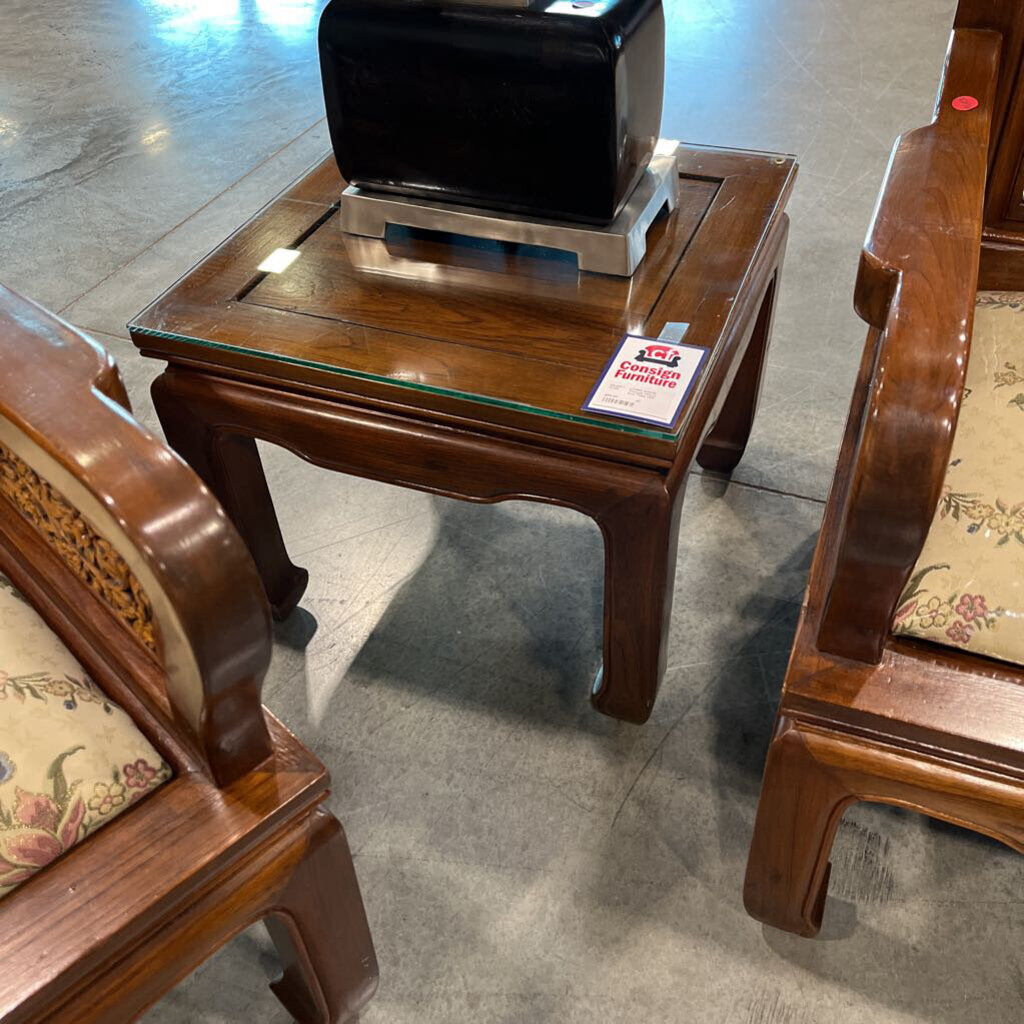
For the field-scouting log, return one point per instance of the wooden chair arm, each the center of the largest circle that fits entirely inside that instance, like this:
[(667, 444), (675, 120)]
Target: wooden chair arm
[(64, 416), (916, 287)]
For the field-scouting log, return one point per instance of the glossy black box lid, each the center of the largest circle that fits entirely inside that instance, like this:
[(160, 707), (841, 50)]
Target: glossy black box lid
[(549, 109)]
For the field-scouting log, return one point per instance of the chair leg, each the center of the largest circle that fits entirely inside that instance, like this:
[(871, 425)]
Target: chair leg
[(801, 805), (319, 928)]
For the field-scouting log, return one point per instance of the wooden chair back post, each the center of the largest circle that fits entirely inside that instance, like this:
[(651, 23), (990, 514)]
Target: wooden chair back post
[(1004, 199), (113, 517), (916, 288)]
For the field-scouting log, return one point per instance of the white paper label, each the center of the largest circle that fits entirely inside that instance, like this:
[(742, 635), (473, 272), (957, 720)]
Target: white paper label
[(647, 380)]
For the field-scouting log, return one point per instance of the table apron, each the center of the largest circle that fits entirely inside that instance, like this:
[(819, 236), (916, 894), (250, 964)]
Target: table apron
[(442, 460), (213, 422)]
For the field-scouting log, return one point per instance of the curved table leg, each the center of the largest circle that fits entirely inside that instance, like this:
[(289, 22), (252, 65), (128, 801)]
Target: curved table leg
[(211, 422), (640, 539), (230, 466), (724, 446)]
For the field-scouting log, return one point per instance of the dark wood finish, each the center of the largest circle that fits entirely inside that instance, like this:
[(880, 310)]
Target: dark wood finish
[(864, 715), (241, 831), (231, 465), (622, 499), (814, 773), (504, 346), (302, 884), (1004, 204), (723, 447), (210, 619), (514, 328), (1002, 266), (922, 240)]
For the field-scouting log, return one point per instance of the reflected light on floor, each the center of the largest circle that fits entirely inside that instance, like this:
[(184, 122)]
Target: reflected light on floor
[(289, 19), (711, 45), (182, 20), (696, 16), (155, 137)]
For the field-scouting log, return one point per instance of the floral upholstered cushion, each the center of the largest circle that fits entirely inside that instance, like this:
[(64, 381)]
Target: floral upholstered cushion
[(70, 760), (967, 589)]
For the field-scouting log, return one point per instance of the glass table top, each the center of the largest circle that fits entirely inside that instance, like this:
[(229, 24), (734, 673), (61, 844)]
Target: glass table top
[(449, 320)]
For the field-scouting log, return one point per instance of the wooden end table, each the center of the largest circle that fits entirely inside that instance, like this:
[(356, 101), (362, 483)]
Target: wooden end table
[(461, 368)]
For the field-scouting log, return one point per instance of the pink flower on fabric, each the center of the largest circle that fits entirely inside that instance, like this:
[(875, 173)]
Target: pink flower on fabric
[(24, 851), (959, 633), (72, 824), (971, 607), (32, 848), (36, 810), (139, 775)]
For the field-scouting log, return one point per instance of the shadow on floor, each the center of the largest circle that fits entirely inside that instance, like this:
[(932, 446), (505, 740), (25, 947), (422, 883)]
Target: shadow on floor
[(513, 631), (503, 616)]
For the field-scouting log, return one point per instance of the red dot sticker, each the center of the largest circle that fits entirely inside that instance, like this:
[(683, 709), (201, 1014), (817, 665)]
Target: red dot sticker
[(964, 103)]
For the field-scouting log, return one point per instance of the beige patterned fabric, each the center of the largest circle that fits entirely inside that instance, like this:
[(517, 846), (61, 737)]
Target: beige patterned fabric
[(70, 760), (967, 589)]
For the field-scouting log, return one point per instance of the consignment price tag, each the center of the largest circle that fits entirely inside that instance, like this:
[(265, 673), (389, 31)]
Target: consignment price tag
[(647, 380)]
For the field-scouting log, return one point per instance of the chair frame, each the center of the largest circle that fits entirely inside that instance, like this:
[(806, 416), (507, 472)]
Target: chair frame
[(241, 832), (865, 715)]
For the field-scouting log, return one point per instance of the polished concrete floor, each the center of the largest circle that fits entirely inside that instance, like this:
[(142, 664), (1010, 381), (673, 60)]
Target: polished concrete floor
[(522, 858)]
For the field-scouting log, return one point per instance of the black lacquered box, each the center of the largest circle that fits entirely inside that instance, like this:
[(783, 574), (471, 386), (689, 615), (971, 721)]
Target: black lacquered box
[(548, 109)]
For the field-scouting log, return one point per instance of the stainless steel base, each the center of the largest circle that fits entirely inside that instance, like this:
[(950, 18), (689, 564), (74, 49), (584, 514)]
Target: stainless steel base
[(615, 249)]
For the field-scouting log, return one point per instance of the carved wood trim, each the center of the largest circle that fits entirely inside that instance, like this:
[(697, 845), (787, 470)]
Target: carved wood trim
[(91, 557)]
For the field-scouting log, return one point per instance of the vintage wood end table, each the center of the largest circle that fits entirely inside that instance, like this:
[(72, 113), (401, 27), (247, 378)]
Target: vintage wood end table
[(461, 368)]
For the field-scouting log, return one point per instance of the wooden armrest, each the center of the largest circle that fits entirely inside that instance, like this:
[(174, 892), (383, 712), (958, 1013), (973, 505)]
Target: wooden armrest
[(64, 413), (916, 287)]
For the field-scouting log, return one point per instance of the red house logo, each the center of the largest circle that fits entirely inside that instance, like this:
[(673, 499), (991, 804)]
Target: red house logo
[(666, 355)]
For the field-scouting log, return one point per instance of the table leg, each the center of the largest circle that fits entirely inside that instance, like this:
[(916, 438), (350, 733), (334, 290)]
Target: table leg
[(724, 446), (230, 466), (210, 421), (640, 539)]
